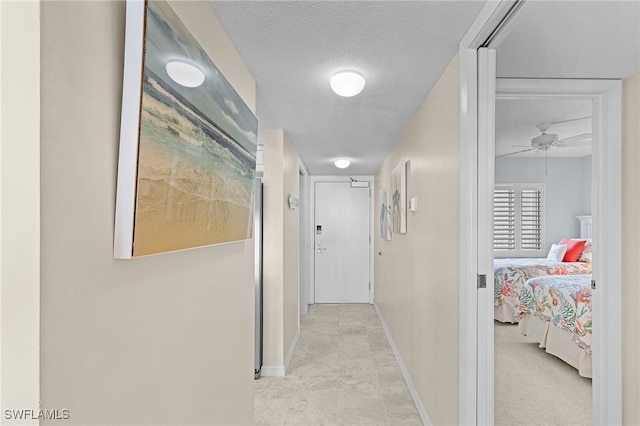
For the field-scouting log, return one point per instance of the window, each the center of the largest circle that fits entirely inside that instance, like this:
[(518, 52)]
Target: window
[(518, 221)]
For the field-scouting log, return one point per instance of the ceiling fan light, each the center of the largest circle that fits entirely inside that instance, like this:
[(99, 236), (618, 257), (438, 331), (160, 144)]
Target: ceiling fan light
[(347, 83), (342, 163), (185, 74), (544, 139)]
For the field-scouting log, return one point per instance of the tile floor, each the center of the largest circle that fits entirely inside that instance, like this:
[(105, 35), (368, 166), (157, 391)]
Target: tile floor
[(342, 371)]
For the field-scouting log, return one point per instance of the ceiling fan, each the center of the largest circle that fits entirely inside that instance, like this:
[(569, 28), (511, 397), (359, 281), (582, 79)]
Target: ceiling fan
[(545, 141)]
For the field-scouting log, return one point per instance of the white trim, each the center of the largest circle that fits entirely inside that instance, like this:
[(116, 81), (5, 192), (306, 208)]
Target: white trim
[(129, 127), (607, 209), (309, 252), (607, 239), (272, 371), (311, 214), (302, 167), (468, 293), (281, 370), (485, 179), (491, 15), (424, 416), (303, 241), (20, 198), (488, 19)]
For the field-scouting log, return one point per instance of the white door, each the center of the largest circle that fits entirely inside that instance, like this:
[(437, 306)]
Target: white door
[(342, 242)]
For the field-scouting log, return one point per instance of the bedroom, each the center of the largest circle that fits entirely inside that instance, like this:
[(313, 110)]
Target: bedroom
[(542, 196)]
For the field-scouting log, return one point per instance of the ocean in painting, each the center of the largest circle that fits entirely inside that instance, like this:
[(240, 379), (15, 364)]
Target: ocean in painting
[(197, 148)]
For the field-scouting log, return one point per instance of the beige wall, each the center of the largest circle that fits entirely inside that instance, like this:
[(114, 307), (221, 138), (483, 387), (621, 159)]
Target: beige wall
[(417, 274), (166, 339), (20, 207), (281, 178), (630, 250)]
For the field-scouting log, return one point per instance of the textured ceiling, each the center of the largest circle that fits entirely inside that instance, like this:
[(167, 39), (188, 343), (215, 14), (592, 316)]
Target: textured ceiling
[(573, 39), (292, 48), (516, 121), (568, 40)]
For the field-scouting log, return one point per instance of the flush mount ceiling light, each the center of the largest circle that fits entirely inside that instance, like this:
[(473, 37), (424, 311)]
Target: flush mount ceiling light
[(185, 74), (347, 83), (342, 163)]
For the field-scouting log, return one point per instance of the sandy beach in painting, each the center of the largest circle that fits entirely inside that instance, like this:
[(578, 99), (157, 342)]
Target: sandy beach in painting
[(181, 206)]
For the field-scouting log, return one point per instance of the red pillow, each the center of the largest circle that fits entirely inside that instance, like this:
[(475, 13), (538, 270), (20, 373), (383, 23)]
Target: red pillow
[(574, 248)]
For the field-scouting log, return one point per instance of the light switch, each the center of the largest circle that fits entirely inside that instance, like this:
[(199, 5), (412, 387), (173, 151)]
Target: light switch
[(413, 204)]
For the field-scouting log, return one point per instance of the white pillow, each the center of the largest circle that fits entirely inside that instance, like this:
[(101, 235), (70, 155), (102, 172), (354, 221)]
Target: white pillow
[(557, 252)]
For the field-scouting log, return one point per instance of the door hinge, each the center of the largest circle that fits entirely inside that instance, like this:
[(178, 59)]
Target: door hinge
[(593, 284), (369, 285), (482, 281)]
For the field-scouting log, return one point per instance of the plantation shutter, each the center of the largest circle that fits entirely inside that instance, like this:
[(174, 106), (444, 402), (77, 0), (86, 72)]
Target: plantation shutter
[(531, 222), (504, 219), (518, 220)]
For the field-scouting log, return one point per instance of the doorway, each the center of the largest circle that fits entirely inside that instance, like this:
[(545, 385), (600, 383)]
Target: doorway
[(478, 92), (342, 242), (542, 187), (604, 96)]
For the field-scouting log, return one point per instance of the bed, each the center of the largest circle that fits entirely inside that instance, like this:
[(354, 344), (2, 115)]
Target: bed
[(510, 276), (555, 311)]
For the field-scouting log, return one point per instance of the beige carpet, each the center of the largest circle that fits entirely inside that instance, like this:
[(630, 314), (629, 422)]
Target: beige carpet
[(535, 388), (342, 372)]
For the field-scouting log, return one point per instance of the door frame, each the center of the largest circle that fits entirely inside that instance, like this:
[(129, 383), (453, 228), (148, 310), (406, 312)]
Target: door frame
[(606, 193), (476, 106), (20, 193), (311, 191), (475, 394), (303, 241)]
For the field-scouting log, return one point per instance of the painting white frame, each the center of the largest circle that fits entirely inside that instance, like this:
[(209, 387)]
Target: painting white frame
[(129, 125)]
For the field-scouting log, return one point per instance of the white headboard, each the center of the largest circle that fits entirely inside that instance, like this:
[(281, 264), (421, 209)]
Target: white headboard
[(585, 226)]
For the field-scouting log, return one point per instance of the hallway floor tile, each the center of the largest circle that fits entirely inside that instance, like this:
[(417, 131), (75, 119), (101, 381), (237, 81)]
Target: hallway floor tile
[(342, 372)]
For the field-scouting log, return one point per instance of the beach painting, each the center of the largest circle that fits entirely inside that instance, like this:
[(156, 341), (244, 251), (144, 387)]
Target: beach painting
[(196, 148)]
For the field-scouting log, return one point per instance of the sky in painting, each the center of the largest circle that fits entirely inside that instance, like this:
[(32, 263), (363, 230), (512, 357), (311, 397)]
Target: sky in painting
[(168, 39)]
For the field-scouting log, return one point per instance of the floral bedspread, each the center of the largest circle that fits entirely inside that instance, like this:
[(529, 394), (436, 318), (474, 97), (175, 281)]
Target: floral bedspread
[(510, 275), (563, 300)]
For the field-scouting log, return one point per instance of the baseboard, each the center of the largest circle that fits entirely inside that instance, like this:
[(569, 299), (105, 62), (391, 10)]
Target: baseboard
[(280, 370), (292, 347), (272, 371), (412, 390)]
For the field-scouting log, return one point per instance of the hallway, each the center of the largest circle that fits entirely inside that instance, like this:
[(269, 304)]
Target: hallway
[(342, 371)]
